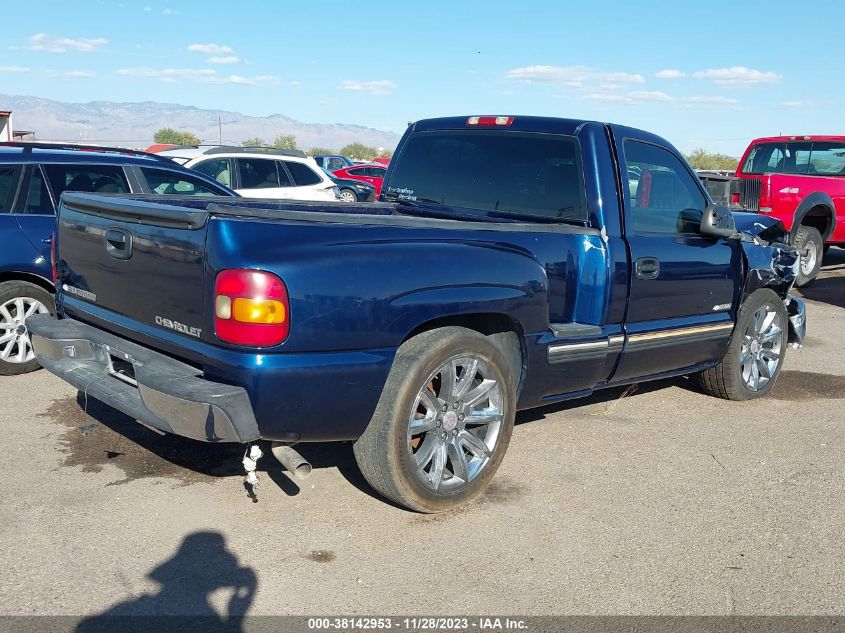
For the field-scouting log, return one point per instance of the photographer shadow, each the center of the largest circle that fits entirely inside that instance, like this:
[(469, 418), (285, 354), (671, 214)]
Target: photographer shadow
[(201, 566)]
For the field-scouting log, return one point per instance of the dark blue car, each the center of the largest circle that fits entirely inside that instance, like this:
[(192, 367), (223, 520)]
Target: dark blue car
[(32, 179)]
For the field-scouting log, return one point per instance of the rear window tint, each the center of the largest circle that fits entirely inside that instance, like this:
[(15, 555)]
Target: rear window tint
[(8, 182), (302, 174), (38, 201), (171, 183), (492, 171), (801, 157), (96, 178)]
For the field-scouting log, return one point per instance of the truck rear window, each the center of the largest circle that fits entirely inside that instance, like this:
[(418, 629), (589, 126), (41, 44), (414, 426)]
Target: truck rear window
[(823, 158), (492, 172)]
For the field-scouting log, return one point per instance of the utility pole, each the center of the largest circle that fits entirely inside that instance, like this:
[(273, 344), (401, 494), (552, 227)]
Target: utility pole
[(219, 131)]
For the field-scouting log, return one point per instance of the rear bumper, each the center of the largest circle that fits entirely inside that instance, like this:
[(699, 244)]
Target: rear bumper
[(164, 393)]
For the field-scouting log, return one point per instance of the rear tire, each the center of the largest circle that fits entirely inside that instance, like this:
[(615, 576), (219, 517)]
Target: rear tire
[(808, 237), (756, 352), (443, 422), (18, 300)]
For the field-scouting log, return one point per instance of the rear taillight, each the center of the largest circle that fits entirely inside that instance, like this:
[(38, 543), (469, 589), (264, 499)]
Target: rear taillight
[(490, 121), (766, 190), (251, 308)]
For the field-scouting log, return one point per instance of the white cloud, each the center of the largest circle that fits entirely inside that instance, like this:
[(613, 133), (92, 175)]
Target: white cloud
[(794, 104), (53, 44), (137, 72), (573, 76), (714, 100), (376, 87), (14, 69), (169, 12), (200, 75), (633, 97), (609, 97), (195, 75), (669, 73), (737, 75), (210, 49), (649, 95), (228, 59), (148, 8), (87, 74)]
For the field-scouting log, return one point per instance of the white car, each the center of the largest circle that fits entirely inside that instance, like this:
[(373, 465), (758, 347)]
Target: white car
[(260, 173)]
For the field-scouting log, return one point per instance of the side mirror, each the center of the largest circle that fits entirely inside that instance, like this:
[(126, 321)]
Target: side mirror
[(718, 221)]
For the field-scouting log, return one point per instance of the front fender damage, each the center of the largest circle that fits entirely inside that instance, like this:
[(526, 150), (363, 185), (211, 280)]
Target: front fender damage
[(773, 264)]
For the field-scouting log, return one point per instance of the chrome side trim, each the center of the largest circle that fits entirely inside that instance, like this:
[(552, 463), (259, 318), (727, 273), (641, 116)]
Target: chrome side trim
[(667, 338), (577, 351)]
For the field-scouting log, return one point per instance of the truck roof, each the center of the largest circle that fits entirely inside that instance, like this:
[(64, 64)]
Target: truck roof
[(797, 137), (518, 123)]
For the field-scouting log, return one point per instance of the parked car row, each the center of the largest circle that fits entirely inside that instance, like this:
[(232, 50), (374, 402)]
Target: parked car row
[(32, 179)]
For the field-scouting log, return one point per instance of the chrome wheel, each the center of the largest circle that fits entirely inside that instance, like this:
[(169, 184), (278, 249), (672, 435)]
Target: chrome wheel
[(808, 262), (455, 423), (348, 196), (761, 349), (15, 346)]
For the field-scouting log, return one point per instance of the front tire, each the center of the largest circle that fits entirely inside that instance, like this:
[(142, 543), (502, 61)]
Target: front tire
[(808, 237), (443, 422), (19, 300), (756, 352), (347, 195)]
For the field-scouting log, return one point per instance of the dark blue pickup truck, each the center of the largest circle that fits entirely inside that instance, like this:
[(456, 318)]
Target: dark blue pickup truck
[(513, 262)]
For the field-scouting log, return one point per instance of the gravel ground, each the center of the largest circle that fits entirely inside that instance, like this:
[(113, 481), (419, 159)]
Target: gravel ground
[(664, 501)]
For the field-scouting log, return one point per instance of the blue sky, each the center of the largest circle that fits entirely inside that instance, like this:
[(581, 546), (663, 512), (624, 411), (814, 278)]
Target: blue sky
[(712, 74)]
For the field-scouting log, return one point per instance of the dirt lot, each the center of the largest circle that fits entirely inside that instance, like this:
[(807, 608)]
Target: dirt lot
[(664, 501)]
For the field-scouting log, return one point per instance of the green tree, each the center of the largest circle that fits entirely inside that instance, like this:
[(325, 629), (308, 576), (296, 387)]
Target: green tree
[(359, 151), (254, 142), (387, 153), (176, 137), (314, 151), (285, 141), (700, 158)]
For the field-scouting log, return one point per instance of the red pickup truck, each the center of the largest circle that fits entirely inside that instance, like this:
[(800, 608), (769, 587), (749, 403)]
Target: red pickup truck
[(801, 181)]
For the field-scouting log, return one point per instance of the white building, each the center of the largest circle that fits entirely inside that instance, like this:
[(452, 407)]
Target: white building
[(5, 125)]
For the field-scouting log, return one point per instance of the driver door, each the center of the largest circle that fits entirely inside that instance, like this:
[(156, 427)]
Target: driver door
[(683, 285)]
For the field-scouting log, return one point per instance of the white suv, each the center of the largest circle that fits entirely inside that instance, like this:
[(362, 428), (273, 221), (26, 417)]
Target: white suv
[(260, 173)]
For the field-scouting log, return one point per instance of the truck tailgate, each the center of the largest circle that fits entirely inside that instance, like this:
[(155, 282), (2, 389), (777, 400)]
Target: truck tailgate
[(133, 257)]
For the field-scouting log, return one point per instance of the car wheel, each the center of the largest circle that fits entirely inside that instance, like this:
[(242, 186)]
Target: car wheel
[(443, 422), (756, 352), (348, 195), (810, 239), (19, 300)]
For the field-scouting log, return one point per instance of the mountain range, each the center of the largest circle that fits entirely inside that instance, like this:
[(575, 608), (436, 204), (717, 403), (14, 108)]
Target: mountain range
[(134, 124)]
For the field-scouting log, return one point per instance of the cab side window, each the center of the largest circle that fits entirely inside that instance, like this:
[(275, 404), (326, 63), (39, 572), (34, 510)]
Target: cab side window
[(96, 178), (216, 168), (38, 200), (8, 185), (664, 197), (174, 184)]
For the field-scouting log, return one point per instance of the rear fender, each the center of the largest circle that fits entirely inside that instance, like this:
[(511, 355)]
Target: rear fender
[(815, 200)]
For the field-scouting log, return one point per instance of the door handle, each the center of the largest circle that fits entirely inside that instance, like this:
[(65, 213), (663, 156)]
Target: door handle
[(647, 268), (119, 243)]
